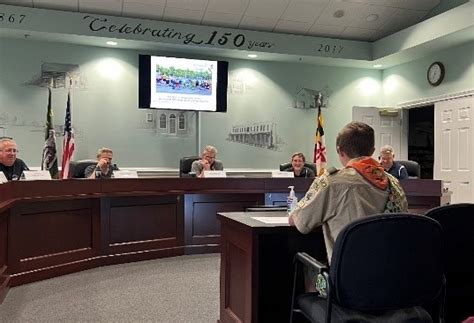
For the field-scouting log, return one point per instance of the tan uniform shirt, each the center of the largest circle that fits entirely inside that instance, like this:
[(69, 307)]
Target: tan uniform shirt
[(335, 200)]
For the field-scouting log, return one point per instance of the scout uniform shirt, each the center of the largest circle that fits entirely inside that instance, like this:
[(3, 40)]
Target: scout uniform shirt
[(337, 198)]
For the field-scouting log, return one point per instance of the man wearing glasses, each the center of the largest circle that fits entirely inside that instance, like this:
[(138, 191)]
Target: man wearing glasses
[(208, 161), (11, 166)]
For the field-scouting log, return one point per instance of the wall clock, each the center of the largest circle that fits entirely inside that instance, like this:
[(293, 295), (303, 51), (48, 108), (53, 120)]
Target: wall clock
[(435, 73)]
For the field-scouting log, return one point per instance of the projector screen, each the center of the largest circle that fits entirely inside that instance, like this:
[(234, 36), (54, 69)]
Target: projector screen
[(182, 84)]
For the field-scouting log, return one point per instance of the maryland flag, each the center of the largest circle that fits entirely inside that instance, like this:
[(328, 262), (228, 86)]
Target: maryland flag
[(320, 156), (50, 160)]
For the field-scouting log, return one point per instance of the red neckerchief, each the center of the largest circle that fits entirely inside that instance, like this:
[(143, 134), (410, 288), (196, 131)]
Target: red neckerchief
[(371, 170)]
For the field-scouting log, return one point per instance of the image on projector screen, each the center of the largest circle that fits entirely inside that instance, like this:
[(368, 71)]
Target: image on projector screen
[(179, 83), (172, 80)]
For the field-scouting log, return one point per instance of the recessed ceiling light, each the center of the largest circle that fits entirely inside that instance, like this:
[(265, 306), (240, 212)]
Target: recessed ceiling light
[(378, 65), (372, 17), (252, 55), (339, 14), (112, 43)]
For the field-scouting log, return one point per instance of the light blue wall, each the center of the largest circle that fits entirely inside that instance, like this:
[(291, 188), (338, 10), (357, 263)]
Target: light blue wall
[(407, 82), (106, 113)]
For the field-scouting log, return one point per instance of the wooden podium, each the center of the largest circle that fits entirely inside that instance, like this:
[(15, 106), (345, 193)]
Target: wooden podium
[(52, 228)]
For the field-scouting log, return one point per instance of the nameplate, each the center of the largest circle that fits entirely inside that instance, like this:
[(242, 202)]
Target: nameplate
[(3, 178), (125, 174), (214, 173), (277, 174), (36, 175)]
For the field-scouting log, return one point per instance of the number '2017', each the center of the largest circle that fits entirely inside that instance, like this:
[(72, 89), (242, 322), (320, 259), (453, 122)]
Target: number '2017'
[(326, 48)]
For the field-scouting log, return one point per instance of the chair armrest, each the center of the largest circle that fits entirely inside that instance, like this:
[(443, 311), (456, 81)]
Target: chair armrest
[(309, 261), (321, 279)]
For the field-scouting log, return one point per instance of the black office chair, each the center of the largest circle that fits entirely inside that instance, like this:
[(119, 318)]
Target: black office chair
[(384, 267), (185, 165), (77, 168), (286, 166), (457, 221), (413, 168)]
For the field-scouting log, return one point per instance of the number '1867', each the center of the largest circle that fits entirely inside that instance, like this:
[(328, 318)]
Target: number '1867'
[(12, 18)]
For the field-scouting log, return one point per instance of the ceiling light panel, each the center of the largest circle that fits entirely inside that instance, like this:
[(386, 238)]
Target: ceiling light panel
[(183, 15), (237, 7), (103, 6), (407, 4), (221, 19), (402, 19), (357, 33), (304, 10), (257, 23), (197, 5), (326, 30), (266, 8), (352, 13), (383, 14), (57, 4), (292, 27), (142, 10)]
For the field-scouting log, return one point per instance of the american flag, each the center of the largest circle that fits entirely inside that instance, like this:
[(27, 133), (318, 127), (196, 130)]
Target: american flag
[(68, 142), (49, 160), (320, 156)]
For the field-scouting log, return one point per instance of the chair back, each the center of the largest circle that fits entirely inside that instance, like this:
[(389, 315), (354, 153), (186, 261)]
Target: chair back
[(413, 168), (286, 166), (185, 165), (457, 221), (77, 168), (387, 261)]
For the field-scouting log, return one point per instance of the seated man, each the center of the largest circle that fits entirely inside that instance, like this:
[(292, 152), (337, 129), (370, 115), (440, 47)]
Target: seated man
[(360, 189), (104, 167), (207, 162), (386, 160), (297, 166), (11, 166)]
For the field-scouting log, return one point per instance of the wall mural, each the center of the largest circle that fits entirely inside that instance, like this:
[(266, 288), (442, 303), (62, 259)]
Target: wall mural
[(168, 122), (259, 134), (305, 98)]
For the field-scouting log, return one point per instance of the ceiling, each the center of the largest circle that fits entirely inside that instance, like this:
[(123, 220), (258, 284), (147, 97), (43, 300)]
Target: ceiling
[(366, 20)]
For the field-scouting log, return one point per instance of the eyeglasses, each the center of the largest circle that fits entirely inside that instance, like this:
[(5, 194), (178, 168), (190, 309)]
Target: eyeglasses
[(10, 150)]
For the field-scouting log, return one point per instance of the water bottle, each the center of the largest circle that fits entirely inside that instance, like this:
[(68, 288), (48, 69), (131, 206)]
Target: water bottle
[(291, 200)]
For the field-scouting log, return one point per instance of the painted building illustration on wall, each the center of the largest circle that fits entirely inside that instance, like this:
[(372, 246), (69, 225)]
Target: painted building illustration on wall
[(306, 98), (172, 123), (168, 122), (259, 134)]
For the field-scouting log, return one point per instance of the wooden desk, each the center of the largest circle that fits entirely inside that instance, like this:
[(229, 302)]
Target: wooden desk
[(52, 228), (256, 266)]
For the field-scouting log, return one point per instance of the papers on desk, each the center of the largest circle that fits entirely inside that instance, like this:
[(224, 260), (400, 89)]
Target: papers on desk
[(214, 173), (125, 174), (34, 175), (279, 174), (271, 219), (3, 178)]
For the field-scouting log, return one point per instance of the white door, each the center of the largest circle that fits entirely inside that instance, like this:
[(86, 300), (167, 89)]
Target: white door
[(454, 147), (387, 128)]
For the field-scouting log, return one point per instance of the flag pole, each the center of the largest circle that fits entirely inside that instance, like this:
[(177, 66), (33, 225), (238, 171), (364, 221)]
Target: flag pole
[(320, 156)]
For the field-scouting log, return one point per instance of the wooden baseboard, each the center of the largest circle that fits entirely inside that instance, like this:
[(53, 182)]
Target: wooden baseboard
[(89, 263), (196, 250)]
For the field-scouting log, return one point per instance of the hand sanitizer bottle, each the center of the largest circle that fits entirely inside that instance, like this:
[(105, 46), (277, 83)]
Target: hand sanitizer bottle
[(291, 200)]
